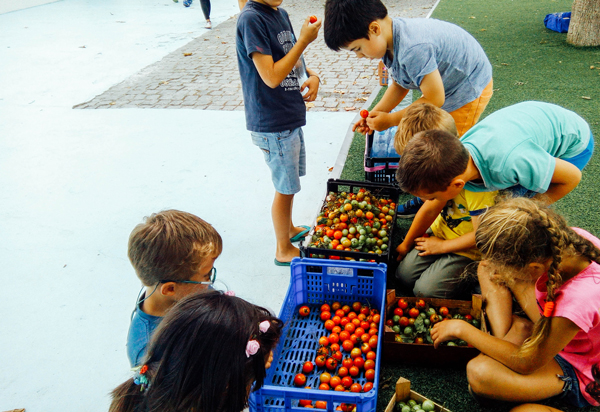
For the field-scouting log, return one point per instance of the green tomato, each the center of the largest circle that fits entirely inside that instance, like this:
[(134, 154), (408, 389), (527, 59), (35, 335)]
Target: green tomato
[(423, 315), (352, 230), (412, 402), (428, 406), (376, 224), (427, 322), (391, 212), (408, 330), (396, 329), (362, 231), (451, 343), (345, 232), (382, 233), (406, 408), (430, 311), (384, 247)]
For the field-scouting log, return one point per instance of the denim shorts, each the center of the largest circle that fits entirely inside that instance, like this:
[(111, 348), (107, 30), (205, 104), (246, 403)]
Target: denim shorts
[(285, 154), (570, 392), (579, 161)]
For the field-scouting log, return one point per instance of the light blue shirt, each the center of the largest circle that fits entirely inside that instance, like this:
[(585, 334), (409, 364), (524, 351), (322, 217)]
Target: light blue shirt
[(140, 331), (518, 145), (423, 45)]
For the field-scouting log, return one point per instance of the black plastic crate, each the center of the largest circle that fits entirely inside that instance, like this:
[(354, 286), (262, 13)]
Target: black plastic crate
[(379, 173), (380, 190)]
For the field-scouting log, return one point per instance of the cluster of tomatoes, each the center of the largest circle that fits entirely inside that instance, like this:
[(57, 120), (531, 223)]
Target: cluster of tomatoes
[(348, 353), (413, 323), (359, 222)]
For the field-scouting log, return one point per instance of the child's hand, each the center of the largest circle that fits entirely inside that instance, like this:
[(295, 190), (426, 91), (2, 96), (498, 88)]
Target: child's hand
[(313, 88), (429, 245), (402, 251), (309, 31), (446, 330), (380, 121), (361, 127)]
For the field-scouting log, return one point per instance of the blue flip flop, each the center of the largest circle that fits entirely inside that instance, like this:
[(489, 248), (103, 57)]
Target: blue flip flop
[(300, 235), (278, 263)]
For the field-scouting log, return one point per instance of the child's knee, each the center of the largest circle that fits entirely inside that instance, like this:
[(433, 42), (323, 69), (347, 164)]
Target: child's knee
[(480, 373)]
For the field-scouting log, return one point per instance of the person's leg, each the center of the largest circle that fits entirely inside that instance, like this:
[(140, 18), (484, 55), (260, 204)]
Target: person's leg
[(442, 278), (411, 268), (206, 11), (498, 301), (466, 116), (281, 213)]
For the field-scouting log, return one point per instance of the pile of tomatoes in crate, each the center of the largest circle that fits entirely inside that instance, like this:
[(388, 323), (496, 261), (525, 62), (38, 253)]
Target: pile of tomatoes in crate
[(348, 353), (413, 323), (359, 222)]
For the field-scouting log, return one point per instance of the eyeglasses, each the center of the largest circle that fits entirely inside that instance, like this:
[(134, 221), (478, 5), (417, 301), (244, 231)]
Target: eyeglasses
[(212, 276)]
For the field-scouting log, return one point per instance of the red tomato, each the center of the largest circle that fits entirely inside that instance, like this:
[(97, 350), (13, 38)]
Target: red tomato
[(403, 321), (334, 347), (331, 364), (354, 353), (304, 311), (361, 316), (365, 325), (338, 234), (344, 321), (365, 337), (325, 377), (323, 341), (359, 362), (335, 305), (336, 329), (365, 310), (325, 308), (344, 335), (337, 355), (329, 324), (352, 316), (347, 407), (340, 388), (354, 339), (324, 387), (368, 386), (411, 321), (389, 322), (443, 311), (434, 319), (320, 404), (413, 313), (347, 381), (369, 364), (364, 113), (468, 317), (333, 338), (398, 312), (376, 318), (359, 331), (299, 379), (371, 355), (402, 304), (347, 362), (308, 367), (342, 371), (320, 361), (421, 303), (346, 309), (335, 381), (336, 319), (357, 306), (325, 316), (370, 375), (373, 325), (304, 402), (356, 387), (356, 322), (347, 345), (365, 348), (350, 327), (373, 331), (373, 342), (323, 350)]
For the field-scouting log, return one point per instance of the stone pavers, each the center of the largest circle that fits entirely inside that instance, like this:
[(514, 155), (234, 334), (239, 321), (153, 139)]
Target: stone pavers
[(203, 74)]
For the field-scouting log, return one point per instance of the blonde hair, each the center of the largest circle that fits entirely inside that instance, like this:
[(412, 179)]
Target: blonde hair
[(419, 118), (520, 231), (171, 245)]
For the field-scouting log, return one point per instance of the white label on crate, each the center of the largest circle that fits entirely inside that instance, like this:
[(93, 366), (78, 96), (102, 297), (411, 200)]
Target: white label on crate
[(340, 271)]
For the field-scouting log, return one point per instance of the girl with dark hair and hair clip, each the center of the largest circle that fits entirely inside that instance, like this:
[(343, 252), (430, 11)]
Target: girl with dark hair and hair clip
[(553, 271), (209, 352)]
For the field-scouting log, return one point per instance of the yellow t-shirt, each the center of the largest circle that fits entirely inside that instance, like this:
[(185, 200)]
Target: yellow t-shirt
[(455, 218)]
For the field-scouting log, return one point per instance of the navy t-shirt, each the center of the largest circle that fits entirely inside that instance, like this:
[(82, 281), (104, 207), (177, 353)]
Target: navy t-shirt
[(262, 29)]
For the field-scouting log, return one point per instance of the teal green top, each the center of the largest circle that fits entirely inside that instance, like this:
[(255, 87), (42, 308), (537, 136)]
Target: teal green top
[(518, 145)]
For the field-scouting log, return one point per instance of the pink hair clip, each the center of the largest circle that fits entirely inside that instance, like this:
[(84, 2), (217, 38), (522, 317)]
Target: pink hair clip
[(230, 293), (264, 326), (252, 347)]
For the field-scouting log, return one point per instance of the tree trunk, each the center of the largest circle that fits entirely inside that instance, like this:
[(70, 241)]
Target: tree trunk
[(584, 28)]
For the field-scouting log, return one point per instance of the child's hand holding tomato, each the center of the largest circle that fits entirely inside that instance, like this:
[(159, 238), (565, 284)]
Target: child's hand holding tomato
[(380, 120), (361, 127), (309, 31), (447, 330)]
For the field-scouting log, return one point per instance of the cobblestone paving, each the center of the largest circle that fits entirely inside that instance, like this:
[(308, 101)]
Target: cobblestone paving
[(203, 74)]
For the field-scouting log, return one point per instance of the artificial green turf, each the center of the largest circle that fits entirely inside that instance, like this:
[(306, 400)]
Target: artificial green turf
[(530, 63)]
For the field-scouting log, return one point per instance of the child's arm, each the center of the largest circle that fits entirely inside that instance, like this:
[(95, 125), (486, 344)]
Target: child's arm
[(562, 331), (566, 177), (435, 246), (273, 73), (433, 92), (242, 3), (423, 219), (313, 86)]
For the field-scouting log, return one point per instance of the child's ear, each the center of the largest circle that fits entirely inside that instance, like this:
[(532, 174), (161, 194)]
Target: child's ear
[(537, 269), (374, 28), (168, 289), (458, 183)]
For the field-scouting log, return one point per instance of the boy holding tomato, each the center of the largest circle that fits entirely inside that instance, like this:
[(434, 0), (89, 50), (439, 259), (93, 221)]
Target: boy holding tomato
[(273, 77), (173, 254)]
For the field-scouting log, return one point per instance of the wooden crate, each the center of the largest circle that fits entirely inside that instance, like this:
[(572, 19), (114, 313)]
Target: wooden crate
[(403, 394), (426, 354)]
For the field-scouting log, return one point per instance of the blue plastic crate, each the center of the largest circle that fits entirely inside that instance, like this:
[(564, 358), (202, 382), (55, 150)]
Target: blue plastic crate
[(314, 282)]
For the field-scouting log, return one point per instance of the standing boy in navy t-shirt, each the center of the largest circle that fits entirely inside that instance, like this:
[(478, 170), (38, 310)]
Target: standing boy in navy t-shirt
[(273, 76)]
